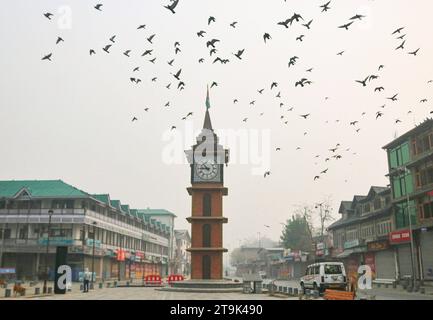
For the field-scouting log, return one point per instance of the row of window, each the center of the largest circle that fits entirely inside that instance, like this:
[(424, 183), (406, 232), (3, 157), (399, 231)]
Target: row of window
[(71, 204), (424, 177), (381, 228), (377, 204), (422, 143)]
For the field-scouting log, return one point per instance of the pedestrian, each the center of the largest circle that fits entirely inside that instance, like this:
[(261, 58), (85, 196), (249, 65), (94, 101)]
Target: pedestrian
[(86, 279)]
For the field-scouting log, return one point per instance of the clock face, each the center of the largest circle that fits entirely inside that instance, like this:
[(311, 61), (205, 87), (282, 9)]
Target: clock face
[(207, 170)]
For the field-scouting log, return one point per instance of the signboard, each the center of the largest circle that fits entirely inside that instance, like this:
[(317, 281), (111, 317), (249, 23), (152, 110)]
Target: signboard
[(89, 242), (120, 255), (320, 246), (7, 271), (56, 241), (397, 237), (378, 245), (351, 244)]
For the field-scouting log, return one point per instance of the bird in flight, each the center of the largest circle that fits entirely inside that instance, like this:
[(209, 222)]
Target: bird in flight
[(172, 6), (346, 26), (266, 36), (401, 46), (106, 48), (47, 57), (393, 98), (397, 31), (381, 67), (152, 60), (98, 6), (145, 53), (300, 38), (170, 63), (324, 171), (214, 84), (48, 15), (143, 26), (414, 52), (239, 54), (340, 53), (364, 83), (177, 74), (378, 114), (305, 116), (134, 119), (423, 101), (307, 25), (260, 91), (267, 173), (325, 7), (91, 51), (211, 43), (211, 19), (379, 89), (285, 23), (151, 38), (233, 24), (126, 53), (59, 39), (358, 16), (397, 120), (112, 38), (274, 85), (316, 178)]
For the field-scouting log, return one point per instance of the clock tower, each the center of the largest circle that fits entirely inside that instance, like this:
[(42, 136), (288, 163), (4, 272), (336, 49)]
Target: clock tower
[(207, 159)]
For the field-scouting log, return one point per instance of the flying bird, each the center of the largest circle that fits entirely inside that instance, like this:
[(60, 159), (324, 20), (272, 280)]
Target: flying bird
[(143, 26), (112, 38), (401, 46), (305, 116), (48, 15), (266, 36), (177, 74), (239, 54), (106, 48), (358, 16), (214, 84), (98, 6), (364, 82), (134, 119), (91, 51), (346, 26), (378, 114), (126, 53), (325, 7), (414, 52), (233, 24), (397, 31), (211, 19), (47, 57), (379, 89), (307, 25), (267, 173), (172, 6), (340, 53), (59, 39), (393, 98), (201, 33), (151, 38)]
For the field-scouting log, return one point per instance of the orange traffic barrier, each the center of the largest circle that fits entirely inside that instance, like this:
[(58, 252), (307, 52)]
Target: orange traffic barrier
[(175, 277), (153, 280), (339, 295)]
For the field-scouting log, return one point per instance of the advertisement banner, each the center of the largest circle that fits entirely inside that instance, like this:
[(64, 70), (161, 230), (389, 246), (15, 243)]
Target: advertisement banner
[(397, 237)]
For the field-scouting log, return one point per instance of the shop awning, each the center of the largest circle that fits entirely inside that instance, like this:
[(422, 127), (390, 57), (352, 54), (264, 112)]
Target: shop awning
[(345, 253)]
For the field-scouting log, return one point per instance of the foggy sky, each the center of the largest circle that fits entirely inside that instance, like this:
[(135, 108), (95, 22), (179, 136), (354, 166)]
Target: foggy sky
[(70, 119)]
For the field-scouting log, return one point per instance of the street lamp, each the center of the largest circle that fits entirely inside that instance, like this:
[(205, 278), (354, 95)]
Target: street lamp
[(50, 213), (406, 171), (93, 252)]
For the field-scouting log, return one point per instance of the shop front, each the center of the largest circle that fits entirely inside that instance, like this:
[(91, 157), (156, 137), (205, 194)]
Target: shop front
[(401, 241), (384, 258)]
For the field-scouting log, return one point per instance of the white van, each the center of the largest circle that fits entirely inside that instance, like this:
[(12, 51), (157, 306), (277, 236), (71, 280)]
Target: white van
[(324, 275)]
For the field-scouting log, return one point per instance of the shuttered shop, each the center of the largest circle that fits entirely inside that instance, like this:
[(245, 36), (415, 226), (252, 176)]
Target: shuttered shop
[(385, 264), (427, 254), (404, 260)]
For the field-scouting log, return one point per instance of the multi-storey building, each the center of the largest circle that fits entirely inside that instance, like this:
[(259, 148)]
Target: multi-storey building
[(182, 257), (101, 233), (410, 163), (361, 236)]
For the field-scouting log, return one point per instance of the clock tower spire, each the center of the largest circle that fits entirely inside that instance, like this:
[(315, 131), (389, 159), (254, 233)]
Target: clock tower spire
[(207, 158)]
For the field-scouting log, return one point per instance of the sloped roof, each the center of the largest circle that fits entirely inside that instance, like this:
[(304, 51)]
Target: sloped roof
[(156, 212), (104, 198), (40, 189)]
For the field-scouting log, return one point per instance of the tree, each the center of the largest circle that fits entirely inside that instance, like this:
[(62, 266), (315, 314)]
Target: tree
[(296, 233)]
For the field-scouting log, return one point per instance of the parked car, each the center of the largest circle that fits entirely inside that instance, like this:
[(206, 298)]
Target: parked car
[(324, 275)]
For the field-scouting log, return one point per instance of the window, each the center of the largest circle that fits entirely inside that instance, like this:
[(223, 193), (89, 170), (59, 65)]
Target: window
[(377, 204), (23, 233), (332, 269), (206, 235), (383, 227), (207, 204), (402, 184), (366, 207), (399, 155), (401, 214), (427, 210), (6, 235)]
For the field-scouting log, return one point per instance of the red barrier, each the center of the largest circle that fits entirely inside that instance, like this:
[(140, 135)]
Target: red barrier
[(175, 277), (153, 280)]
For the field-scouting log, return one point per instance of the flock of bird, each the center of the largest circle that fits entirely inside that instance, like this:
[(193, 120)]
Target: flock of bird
[(211, 44)]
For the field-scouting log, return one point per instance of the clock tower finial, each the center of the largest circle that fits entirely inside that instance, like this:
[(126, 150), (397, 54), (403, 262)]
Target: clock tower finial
[(207, 123)]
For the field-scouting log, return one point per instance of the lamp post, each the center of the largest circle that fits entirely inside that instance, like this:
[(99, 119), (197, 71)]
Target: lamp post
[(50, 213), (93, 251), (406, 171)]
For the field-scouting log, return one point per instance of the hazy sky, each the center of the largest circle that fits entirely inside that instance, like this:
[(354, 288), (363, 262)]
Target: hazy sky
[(70, 119)]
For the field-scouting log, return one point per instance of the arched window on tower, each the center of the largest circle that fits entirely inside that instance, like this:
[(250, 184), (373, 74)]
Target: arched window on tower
[(206, 235), (207, 205)]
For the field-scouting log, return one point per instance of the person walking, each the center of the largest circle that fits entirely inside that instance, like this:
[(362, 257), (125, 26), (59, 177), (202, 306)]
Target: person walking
[(86, 278)]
